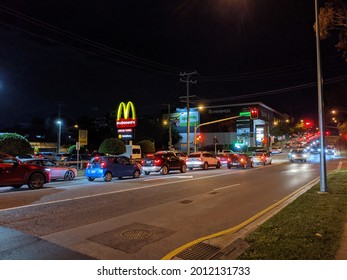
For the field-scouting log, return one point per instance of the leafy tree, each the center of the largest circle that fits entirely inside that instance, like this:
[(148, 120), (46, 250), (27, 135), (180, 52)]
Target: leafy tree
[(333, 17), (72, 150), (14, 144), (280, 129), (147, 146), (112, 146)]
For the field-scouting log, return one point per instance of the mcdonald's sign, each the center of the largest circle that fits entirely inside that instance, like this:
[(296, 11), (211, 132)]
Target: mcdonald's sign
[(123, 115)]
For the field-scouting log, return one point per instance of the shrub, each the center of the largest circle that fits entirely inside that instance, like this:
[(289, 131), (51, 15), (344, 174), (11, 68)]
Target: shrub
[(147, 146), (14, 144), (113, 146)]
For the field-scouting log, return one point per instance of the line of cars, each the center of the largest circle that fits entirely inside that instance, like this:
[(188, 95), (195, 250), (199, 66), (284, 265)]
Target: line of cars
[(108, 167), (301, 153), (162, 162)]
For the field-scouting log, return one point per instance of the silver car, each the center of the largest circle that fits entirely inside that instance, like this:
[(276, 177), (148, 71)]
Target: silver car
[(298, 155), (57, 171), (202, 160)]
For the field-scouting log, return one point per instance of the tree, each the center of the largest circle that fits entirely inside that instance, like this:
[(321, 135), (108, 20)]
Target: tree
[(112, 146), (147, 146), (72, 150), (14, 144), (333, 17)]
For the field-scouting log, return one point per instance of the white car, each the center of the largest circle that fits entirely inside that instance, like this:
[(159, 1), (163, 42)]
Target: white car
[(276, 150), (202, 160), (57, 171)]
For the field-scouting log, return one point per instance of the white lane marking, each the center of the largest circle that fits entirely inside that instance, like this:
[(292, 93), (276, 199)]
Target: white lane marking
[(162, 177), (226, 187), (107, 193)]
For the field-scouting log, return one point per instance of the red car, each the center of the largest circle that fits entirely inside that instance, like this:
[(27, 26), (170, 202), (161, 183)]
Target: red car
[(14, 173)]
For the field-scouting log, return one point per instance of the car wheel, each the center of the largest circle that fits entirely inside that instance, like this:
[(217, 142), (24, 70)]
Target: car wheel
[(270, 162), (245, 166), (137, 173), (36, 181), (183, 168), (264, 163), (252, 164), (205, 166), (147, 172), (218, 165), (190, 168), (90, 178), (108, 176), (229, 166), (69, 175), (164, 170)]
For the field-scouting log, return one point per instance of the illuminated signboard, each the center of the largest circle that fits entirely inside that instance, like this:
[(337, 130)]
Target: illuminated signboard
[(123, 115)]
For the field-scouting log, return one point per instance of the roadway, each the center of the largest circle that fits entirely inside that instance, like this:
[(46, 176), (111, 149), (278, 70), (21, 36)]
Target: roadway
[(145, 218)]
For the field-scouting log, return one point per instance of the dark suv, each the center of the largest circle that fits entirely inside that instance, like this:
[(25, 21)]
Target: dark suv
[(14, 173), (163, 162)]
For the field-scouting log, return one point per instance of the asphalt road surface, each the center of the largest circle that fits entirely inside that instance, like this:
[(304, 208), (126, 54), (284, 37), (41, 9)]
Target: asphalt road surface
[(143, 218)]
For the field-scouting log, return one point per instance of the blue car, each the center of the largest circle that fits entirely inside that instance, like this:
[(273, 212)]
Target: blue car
[(107, 167)]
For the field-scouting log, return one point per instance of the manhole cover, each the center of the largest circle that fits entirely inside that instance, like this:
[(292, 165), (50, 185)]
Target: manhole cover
[(136, 234)]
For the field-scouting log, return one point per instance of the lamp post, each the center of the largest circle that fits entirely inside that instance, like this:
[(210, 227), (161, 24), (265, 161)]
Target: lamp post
[(323, 173), (59, 135)]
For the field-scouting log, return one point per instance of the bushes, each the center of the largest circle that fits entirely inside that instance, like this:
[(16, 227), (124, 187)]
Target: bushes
[(147, 146), (112, 146), (14, 144)]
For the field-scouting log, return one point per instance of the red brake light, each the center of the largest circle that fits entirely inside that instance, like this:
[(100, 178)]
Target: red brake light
[(102, 165), (88, 165), (157, 161)]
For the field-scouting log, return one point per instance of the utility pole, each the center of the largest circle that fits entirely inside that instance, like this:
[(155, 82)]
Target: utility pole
[(170, 132), (186, 79), (323, 170)]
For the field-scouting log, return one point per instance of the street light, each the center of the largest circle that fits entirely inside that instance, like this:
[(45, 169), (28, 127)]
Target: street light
[(59, 135), (323, 172)]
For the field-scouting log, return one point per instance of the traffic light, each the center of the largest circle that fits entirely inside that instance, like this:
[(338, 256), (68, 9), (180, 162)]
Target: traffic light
[(254, 113)]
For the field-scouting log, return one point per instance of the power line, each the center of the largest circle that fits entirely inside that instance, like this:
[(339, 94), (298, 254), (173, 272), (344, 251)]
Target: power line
[(142, 62)]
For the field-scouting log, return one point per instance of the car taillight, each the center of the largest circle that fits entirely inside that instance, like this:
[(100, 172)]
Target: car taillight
[(157, 162), (241, 159), (88, 165), (102, 165)]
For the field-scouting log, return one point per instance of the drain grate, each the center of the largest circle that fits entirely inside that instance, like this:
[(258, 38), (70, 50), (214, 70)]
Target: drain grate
[(200, 251), (136, 234)]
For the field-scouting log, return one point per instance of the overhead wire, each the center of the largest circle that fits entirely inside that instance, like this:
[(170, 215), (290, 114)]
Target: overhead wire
[(142, 61)]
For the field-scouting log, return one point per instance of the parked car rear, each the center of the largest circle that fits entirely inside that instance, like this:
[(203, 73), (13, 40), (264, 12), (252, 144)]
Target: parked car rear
[(14, 173), (240, 160), (108, 167), (163, 162), (261, 157), (202, 160)]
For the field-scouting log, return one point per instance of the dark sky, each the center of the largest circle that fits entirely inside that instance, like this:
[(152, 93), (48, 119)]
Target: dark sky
[(91, 55)]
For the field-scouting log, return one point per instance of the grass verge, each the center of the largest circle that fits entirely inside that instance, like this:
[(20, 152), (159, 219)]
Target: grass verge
[(309, 228)]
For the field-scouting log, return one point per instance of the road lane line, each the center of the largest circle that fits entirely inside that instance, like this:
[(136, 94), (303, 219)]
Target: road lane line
[(226, 187), (177, 176), (107, 193)]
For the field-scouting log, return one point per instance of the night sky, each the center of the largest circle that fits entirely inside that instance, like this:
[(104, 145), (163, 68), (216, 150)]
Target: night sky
[(89, 56)]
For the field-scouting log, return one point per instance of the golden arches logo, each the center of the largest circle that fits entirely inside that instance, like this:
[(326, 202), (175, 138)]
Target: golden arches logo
[(126, 121), (126, 109)]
